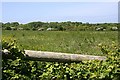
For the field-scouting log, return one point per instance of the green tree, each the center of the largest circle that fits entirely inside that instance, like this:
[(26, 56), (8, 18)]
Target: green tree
[(14, 24)]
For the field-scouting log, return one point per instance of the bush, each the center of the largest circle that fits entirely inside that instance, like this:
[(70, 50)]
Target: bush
[(19, 68), (34, 29), (8, 28)]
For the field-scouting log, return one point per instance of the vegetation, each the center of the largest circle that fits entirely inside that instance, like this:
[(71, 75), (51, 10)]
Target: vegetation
[(18, 68), (60, 26), (69, 37), (79, 42)]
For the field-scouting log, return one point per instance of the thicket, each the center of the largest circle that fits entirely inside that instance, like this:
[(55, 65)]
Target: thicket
[(19, 68)]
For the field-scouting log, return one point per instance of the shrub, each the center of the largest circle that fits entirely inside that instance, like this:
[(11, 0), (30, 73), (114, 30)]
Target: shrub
[(19, 68), (8, 28)]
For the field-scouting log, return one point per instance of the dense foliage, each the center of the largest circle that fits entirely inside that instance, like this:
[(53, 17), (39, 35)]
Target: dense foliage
[(21, 69), (60, 26)]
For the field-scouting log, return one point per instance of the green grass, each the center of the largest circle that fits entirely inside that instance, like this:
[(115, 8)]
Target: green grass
[(80, 42)]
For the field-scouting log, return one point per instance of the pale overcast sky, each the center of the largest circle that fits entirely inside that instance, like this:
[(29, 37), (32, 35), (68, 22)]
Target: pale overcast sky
[(92, 12)]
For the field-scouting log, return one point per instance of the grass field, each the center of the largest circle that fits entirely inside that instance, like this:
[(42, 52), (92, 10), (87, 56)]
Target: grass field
[(80, 42)]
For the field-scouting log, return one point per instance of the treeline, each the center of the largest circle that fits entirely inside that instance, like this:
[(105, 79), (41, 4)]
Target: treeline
[(60, 26)]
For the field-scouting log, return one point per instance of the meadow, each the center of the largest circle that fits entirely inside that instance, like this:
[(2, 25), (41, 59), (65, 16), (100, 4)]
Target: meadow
[(79, 42)]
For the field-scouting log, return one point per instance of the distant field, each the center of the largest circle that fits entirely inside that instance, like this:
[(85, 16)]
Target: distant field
[(80, 42)]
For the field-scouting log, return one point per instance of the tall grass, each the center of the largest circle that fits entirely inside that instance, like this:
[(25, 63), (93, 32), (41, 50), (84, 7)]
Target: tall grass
[(80, 42)]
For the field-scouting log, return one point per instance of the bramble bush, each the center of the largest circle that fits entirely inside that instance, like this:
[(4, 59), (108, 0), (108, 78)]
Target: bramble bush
[(19, 68)]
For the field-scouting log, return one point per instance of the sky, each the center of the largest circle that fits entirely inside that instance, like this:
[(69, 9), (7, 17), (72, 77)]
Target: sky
[(92, 12), (59, 0)]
